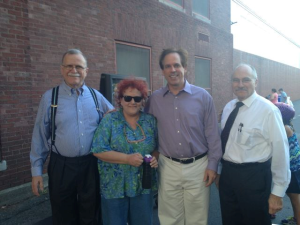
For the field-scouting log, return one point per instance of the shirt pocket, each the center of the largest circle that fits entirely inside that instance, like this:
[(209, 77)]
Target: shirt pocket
[(244, 138), (249, 138)]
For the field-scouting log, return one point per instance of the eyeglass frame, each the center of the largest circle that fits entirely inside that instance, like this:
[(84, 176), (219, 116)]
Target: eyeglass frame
[(245, 80), (77, 67)]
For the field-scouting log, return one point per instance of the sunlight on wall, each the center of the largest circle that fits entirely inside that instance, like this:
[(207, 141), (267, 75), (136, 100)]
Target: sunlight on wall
[(253, 36)]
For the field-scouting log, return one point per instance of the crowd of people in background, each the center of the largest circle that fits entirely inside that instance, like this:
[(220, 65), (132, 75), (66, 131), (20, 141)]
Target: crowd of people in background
[(279, 96), (98, 154), (285, 105)]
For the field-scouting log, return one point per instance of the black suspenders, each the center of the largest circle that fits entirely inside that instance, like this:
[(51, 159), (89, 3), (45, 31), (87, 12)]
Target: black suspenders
[(95, 99), (53, 114), (54, 105)]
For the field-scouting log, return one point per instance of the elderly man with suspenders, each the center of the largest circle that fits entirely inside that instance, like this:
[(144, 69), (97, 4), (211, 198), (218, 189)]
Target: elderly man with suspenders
[(67, 118)]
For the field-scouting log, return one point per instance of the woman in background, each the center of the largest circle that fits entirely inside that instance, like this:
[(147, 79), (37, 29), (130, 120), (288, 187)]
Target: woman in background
[(293, 190)]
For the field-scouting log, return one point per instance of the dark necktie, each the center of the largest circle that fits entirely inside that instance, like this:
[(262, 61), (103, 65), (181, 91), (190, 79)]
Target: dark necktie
[(226, 131)]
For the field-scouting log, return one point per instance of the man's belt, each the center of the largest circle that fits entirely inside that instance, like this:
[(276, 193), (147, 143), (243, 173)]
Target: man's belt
[(189, 160), (248, 164)]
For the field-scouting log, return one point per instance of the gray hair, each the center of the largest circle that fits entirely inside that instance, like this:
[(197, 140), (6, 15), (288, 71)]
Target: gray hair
[(74, 52), (252, 69)]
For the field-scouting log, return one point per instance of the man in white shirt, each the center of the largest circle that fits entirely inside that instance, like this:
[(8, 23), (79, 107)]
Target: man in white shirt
[(256, 153)]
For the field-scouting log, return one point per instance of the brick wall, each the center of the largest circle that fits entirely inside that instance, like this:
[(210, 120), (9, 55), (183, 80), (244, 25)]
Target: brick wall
[(35, 34), (16, 85)]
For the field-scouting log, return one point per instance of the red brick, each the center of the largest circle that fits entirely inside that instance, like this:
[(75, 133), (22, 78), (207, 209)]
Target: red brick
[(16, 60), (16, 50), (16, 22), (13, 12), (8, 35)]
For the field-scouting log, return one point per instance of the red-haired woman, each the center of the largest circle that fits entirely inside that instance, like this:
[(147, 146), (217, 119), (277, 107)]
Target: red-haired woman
[(121, 141)]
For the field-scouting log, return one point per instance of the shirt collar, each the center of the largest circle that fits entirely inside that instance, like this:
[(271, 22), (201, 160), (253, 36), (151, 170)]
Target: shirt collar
[(187, 88), (248, 101), (70, 90), (122, 118)]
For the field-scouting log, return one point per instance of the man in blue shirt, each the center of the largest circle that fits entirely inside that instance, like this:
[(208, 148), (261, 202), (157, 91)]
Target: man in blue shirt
[(283, 97), (72, 170)]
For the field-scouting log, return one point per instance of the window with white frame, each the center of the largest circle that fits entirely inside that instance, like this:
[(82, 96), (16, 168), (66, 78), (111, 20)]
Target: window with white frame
[(133, 60), (202, 73), (201, 7), (178, 2)]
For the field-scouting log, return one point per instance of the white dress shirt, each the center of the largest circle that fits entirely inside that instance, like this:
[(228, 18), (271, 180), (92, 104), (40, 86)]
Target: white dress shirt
[(257, 135)]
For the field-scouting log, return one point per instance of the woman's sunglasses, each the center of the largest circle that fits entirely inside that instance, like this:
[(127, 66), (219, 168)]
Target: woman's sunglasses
[(136, 98)]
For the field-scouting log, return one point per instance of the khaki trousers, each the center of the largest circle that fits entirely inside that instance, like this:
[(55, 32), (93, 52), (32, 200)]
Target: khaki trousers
[(183, 198)]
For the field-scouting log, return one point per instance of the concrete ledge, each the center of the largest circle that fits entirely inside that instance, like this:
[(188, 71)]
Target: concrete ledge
[(14, 195)]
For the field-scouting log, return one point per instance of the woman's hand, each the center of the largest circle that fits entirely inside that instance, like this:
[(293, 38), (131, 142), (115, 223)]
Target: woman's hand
[(135, 159), (153, 162)]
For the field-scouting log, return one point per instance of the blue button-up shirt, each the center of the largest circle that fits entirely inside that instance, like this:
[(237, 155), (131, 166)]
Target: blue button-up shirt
[(76, 121)]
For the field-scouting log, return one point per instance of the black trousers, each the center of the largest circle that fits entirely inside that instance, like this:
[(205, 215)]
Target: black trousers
[(244, 193), (74, 189)]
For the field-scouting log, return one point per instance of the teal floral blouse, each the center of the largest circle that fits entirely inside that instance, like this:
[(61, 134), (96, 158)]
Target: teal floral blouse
[(294, 153), (114, 134)]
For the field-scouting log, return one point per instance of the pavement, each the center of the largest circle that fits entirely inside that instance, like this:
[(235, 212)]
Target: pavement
[(18, 206)]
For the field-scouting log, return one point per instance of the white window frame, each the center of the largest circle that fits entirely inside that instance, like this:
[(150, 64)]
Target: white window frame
[(149, 78), (209, 89)]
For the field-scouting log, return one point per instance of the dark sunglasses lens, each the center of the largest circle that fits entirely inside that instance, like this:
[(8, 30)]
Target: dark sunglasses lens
[(129, 98), (137, 99)]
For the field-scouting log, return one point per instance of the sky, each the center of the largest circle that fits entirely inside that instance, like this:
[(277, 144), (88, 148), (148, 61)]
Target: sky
[(253, 36)]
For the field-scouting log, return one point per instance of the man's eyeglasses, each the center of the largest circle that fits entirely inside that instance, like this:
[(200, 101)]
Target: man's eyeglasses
[(129, 98), (245, 80), (78, 68)]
